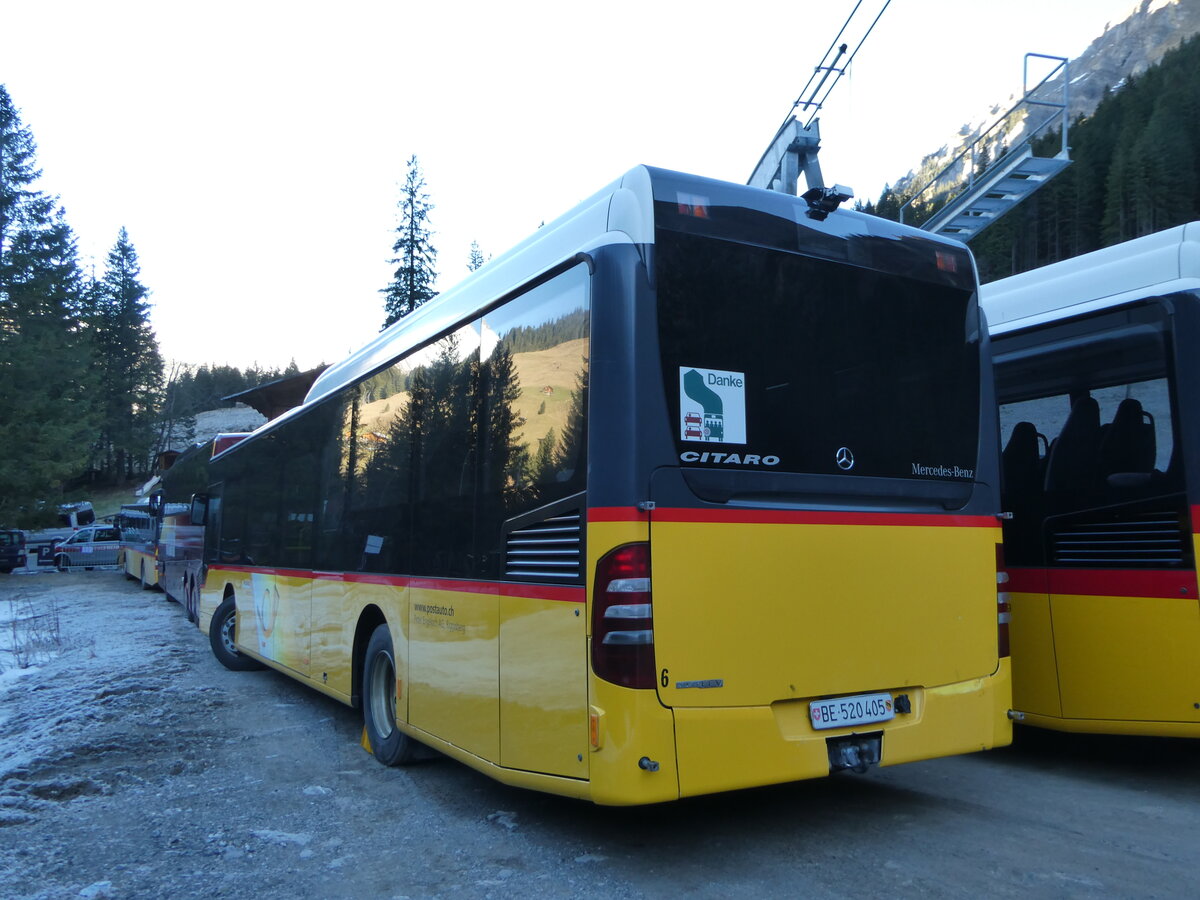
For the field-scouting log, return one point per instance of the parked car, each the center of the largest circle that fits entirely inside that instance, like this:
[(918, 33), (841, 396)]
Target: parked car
[(89, 547), (12, 551)]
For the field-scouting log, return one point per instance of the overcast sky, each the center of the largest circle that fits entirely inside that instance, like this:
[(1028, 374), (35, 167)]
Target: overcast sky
[(254, 150)]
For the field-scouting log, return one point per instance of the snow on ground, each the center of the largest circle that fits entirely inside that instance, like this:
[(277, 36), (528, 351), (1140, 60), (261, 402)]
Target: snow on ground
[(217, 421)]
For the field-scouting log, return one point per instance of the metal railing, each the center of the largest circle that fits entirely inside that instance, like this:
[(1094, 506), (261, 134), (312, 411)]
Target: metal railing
[(990, 151)]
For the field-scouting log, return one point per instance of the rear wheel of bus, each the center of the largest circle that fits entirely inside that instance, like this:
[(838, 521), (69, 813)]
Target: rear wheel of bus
[(389, 744), (221, 635)]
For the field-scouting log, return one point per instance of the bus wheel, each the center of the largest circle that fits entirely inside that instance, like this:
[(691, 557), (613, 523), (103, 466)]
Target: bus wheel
[(391, 746), (190, 590), (220, 636)]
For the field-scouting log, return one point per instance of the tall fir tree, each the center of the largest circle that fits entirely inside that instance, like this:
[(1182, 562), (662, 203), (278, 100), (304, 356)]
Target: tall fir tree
[(47, 396), (130, 363), (475, 261), (413, 253)]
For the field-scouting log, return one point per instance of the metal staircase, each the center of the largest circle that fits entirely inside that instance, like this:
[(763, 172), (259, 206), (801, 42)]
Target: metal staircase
[(970, 194)]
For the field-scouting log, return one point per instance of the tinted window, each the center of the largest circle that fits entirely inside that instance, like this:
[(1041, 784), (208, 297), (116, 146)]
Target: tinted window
[(534, 381), (792, 362), (1093, 473), (415, 469)]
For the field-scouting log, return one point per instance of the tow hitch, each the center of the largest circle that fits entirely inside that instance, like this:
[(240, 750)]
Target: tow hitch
[(855, 752)]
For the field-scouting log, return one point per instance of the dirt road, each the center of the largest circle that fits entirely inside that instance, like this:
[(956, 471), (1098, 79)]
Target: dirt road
[(133, 765)]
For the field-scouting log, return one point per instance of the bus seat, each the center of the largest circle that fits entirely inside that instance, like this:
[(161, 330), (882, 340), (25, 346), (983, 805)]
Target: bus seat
[(1127, 444), (1022, 463), (1071, 463)]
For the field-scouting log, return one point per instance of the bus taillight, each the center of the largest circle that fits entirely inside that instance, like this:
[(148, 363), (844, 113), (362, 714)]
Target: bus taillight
[(1003, 607), (622, 618)]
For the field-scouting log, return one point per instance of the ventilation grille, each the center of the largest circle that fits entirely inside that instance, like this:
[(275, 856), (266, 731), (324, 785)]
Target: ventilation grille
[(551, 549), (1150, 539)]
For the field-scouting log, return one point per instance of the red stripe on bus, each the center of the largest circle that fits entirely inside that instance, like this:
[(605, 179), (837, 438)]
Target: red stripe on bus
[(616, 514), (790, 517), (558, 593), (1026, 581), (1196, 520), (1104, 582)]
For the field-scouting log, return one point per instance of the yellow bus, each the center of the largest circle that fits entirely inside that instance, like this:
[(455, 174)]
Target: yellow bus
[(136, 557), (688, 492), (1095, 380)]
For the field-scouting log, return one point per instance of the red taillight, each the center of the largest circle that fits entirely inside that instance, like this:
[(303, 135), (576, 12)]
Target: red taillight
[(1003, 607), (622, 618)]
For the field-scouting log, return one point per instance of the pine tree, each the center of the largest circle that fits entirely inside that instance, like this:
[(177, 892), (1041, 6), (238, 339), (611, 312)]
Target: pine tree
[(475, 261), (47, 398), (131, 365), (413, 252)]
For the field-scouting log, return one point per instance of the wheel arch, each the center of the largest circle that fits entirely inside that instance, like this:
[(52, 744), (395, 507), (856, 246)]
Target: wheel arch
[(368, 620)]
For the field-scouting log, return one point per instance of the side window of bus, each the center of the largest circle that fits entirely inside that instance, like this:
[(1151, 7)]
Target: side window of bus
[(432, 454), (1106, 448), (212, 526), (1093, 444), (442, 430), (405, 478), (534, 379)]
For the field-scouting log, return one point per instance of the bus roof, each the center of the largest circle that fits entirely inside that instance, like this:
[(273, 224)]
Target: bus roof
[(1162, 263)]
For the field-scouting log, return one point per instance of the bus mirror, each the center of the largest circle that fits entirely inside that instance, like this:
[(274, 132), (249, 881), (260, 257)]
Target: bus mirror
[(155, 503), (199, 508)]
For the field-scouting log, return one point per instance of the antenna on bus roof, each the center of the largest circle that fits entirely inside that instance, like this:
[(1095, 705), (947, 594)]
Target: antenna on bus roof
[(794, 148)]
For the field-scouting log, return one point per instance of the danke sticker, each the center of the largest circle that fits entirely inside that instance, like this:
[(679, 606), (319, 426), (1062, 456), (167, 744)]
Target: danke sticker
[(712, 405)]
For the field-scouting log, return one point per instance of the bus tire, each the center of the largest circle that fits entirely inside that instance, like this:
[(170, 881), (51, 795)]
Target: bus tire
[(391, 746), (221, 635), (190, 604)]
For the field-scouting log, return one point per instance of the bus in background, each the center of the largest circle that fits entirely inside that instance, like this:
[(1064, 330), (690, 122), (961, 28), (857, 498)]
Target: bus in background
[(1098, 381), (161, 546), (688, 492), (139, 533)]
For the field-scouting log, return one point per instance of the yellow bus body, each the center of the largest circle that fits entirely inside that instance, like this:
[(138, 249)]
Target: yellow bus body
[(497, 675), (1113, 652), (140, 564)]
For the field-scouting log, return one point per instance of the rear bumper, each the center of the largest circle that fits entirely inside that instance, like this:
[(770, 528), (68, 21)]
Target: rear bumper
[(725, 749)]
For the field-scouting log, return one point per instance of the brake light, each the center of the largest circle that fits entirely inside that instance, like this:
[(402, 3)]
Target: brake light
[(622, 618), (1003, 604)]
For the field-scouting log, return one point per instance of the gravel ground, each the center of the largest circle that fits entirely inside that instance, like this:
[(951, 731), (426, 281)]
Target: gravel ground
[(133, 765)]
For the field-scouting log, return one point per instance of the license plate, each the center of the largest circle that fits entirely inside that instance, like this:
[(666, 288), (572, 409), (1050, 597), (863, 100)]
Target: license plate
[(845, 711)]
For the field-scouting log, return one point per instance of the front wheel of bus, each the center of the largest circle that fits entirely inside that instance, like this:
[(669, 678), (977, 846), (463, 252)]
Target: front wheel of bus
[(391, 746), (221, 637)]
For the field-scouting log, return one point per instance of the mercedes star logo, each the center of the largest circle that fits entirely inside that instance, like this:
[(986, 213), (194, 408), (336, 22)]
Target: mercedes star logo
[(845, 459)]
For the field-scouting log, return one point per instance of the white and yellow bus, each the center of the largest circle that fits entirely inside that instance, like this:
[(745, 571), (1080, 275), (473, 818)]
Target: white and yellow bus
[(688, 492), (1095, 376)]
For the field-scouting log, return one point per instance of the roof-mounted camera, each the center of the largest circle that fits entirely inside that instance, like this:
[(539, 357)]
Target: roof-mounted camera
[(824, 200)]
